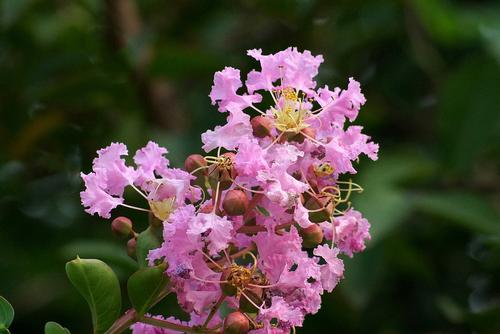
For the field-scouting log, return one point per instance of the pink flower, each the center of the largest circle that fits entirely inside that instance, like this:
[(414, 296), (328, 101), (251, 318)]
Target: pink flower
[(339, 157), (151, 162), (275, 251), (301, 215), (286, 315), (112, 168), (297, 70), (105, 185), (340, 104), (229, 136), (294, 162), (174, 183), (333, 271), (357, 143), (226, 83), (351, 232), (251, 159), (95, 199), (219, 231)]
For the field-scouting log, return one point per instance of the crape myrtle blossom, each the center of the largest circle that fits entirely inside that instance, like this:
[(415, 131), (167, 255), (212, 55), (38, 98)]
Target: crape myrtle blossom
[(164, 188), (261, 224)]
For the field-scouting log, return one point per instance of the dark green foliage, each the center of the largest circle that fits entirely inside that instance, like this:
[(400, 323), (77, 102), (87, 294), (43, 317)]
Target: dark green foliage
[(430, 71)]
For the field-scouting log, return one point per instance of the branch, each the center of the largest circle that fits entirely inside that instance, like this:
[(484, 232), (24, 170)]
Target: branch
[(176, 327), (124, 322)]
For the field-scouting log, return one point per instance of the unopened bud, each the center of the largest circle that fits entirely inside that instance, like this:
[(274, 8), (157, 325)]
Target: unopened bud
[(261, 126), (121, 226), (312, 236), (227, 288), (193, 162), (235, 202), (318, 203), (131, 247), (224, 174), (236, 323), (252, 298)]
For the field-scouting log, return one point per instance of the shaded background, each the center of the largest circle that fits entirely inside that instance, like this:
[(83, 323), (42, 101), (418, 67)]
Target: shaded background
[(76, 75)]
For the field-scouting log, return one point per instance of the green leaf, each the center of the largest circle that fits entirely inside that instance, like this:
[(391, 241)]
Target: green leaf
[(468, 119), (52, 327), (263, 211), (111, 253), (98, 284), (147, 240), (12, 10), (384, 201), (6, 313), (145, 285), (444, 21), (468, 210)]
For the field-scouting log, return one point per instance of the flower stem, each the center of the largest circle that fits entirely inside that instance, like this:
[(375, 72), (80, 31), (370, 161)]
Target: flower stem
[(260, 228), (176, 327), (122, 323), (214, 310)]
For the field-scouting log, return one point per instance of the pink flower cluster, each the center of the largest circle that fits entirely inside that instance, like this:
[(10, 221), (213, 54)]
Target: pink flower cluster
[(260, 225)]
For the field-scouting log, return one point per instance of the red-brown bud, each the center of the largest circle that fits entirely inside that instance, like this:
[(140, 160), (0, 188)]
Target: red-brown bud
[(236, 323), (261, 126), (193, 162), (225, 175), (121, 226), (235, 202), (255, 296), (131, 247), (312, 236), (318, 203)]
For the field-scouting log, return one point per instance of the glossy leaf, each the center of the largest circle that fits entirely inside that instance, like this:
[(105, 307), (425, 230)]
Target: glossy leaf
[(145, 285), (147, 240), (98, 284), (111, 253), (52, 327), (6, 313), (468, 210)]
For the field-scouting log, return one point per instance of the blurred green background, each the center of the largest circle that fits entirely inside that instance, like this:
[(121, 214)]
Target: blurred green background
[(76, 75)]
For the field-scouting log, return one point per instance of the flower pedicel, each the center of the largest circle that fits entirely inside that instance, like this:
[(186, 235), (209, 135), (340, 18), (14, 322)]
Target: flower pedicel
[(260, 224)]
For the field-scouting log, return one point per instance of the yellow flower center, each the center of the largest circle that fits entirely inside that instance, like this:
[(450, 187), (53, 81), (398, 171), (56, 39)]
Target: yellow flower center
[(162, 209), (239, 276), (290, 117)]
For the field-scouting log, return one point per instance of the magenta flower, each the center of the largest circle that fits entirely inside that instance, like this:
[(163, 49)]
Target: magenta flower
[(263, 224)]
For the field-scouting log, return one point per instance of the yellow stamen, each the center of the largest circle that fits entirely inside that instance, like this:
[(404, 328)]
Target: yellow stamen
[(162, 209)]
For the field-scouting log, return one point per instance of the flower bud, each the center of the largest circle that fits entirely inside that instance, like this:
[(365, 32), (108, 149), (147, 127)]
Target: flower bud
[(121, 227), (235, 202), (255, 295), (261, 126), (227, 289), (236, 323), (312, 236), (131, 247), (193, 162), (317, 203), (224, 175)]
